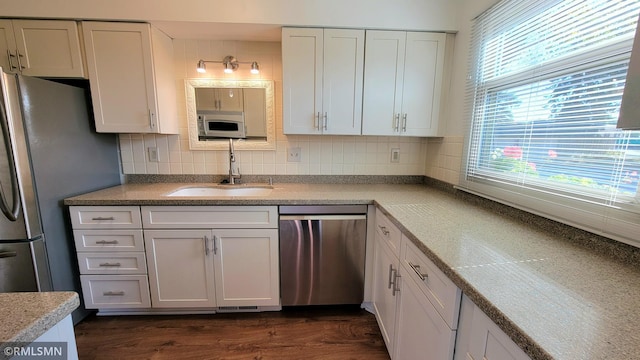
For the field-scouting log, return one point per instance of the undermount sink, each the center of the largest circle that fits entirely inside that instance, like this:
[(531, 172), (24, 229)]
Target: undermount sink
[(222, 190)]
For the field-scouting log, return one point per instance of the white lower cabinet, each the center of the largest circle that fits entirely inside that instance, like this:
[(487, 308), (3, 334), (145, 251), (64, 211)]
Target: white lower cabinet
[(212, 257), (415, 304), (61, 332), (180, 264), (111, 258), (163, 259), (246, 267), (479, 338), (421, 332), (385, 291)]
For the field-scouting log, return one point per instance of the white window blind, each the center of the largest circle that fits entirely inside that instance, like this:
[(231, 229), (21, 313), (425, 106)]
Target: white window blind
[(546, 82)]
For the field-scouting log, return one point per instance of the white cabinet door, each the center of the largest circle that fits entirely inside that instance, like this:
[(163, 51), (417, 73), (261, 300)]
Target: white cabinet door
[(212, 99), (41, 48), (421, 332), (480, 338), (322, 80), (131, 76), (342, 82), (180, 266), (402, 83), (383, 73), (247, 267), (384, 294), (8, 60), (422, 83), (302, 56)]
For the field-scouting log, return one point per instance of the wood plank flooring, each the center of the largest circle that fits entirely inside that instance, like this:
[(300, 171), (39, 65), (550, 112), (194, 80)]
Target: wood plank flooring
[(294, 333)]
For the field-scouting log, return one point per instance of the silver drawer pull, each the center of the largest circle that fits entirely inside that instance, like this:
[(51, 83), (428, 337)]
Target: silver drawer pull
[(416, 269), (113, 293), (110, 265), (384, 230), (107, 242), (100, 218)]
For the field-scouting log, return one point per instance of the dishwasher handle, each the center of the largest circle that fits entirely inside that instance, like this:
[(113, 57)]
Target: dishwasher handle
[(323, 217)]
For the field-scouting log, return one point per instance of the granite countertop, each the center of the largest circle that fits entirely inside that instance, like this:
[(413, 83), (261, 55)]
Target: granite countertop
[(556, 298), (27, 315)]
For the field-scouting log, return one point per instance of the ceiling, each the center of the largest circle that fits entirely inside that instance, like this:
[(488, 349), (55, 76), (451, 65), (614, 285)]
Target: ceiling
[(219, 31)]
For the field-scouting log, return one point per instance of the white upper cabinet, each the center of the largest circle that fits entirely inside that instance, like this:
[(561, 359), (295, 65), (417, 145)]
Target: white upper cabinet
[(48, 48), (131, 74), (322, 80), (403, 78)]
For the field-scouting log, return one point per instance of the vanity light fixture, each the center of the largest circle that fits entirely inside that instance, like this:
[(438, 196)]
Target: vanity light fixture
[(230, 64)]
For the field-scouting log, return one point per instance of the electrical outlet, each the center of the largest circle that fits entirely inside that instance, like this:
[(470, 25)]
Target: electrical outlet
[(153, 154), (395, 155), (293, 154)]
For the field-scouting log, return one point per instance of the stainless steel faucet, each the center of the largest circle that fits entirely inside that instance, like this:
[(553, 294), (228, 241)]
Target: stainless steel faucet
[(234, 170)]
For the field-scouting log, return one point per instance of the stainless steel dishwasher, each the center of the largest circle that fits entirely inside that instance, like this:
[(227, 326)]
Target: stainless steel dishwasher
[(322, 253)]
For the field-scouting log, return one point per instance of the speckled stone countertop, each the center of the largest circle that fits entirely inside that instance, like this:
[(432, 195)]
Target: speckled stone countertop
[(557, 298), (24, 316)]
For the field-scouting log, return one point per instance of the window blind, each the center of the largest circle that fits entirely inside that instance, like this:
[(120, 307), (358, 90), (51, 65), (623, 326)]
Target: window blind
[(545, 84)]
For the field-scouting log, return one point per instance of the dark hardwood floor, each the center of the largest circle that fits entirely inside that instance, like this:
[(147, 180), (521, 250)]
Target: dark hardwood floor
[(294, 333)]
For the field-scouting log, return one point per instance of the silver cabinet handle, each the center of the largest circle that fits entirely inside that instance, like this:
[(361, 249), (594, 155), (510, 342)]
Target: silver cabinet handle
[(100, 218), (384, 230), (396, 122), (20, 56), (416, 269), (107, 242), (215, 245), (151, 123), (404, 122), (113, 293), (325, 121), (316, 123), (393, 280), (8, 254), (396, 286), (10, 56), (110, 265), (206, 245)]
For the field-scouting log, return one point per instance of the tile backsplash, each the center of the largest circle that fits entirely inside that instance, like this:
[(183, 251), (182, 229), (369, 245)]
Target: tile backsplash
[(320, 155), (444, 158)]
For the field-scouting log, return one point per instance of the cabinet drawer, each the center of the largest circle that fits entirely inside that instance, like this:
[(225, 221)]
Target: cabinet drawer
[(115, 291), (388, 232), (105, 217), (122, 263), (191, 217), (442, 292), (108, 240)]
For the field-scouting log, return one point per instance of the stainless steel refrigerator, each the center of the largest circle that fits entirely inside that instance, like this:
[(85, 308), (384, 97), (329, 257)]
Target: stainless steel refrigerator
[(48, 151)]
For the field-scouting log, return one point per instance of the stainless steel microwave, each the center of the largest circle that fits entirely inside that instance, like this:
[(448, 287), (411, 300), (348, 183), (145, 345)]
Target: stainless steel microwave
[(221, 125)]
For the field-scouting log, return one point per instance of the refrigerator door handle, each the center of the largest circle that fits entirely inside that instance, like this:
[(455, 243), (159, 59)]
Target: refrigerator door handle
[(8, 254), (10, 213)]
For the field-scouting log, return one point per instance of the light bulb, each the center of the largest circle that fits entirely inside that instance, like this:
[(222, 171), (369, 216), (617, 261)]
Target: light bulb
[(255, 69), (201, 67)]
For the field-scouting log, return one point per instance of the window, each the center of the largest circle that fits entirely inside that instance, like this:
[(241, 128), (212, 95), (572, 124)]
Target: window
[(546, 82)]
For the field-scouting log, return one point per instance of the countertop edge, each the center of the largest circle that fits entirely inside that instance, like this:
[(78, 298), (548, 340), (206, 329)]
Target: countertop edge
[(39, 326)]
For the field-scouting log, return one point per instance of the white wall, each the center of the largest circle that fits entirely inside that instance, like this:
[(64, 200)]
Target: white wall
[(444, 156), (390, 14)]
